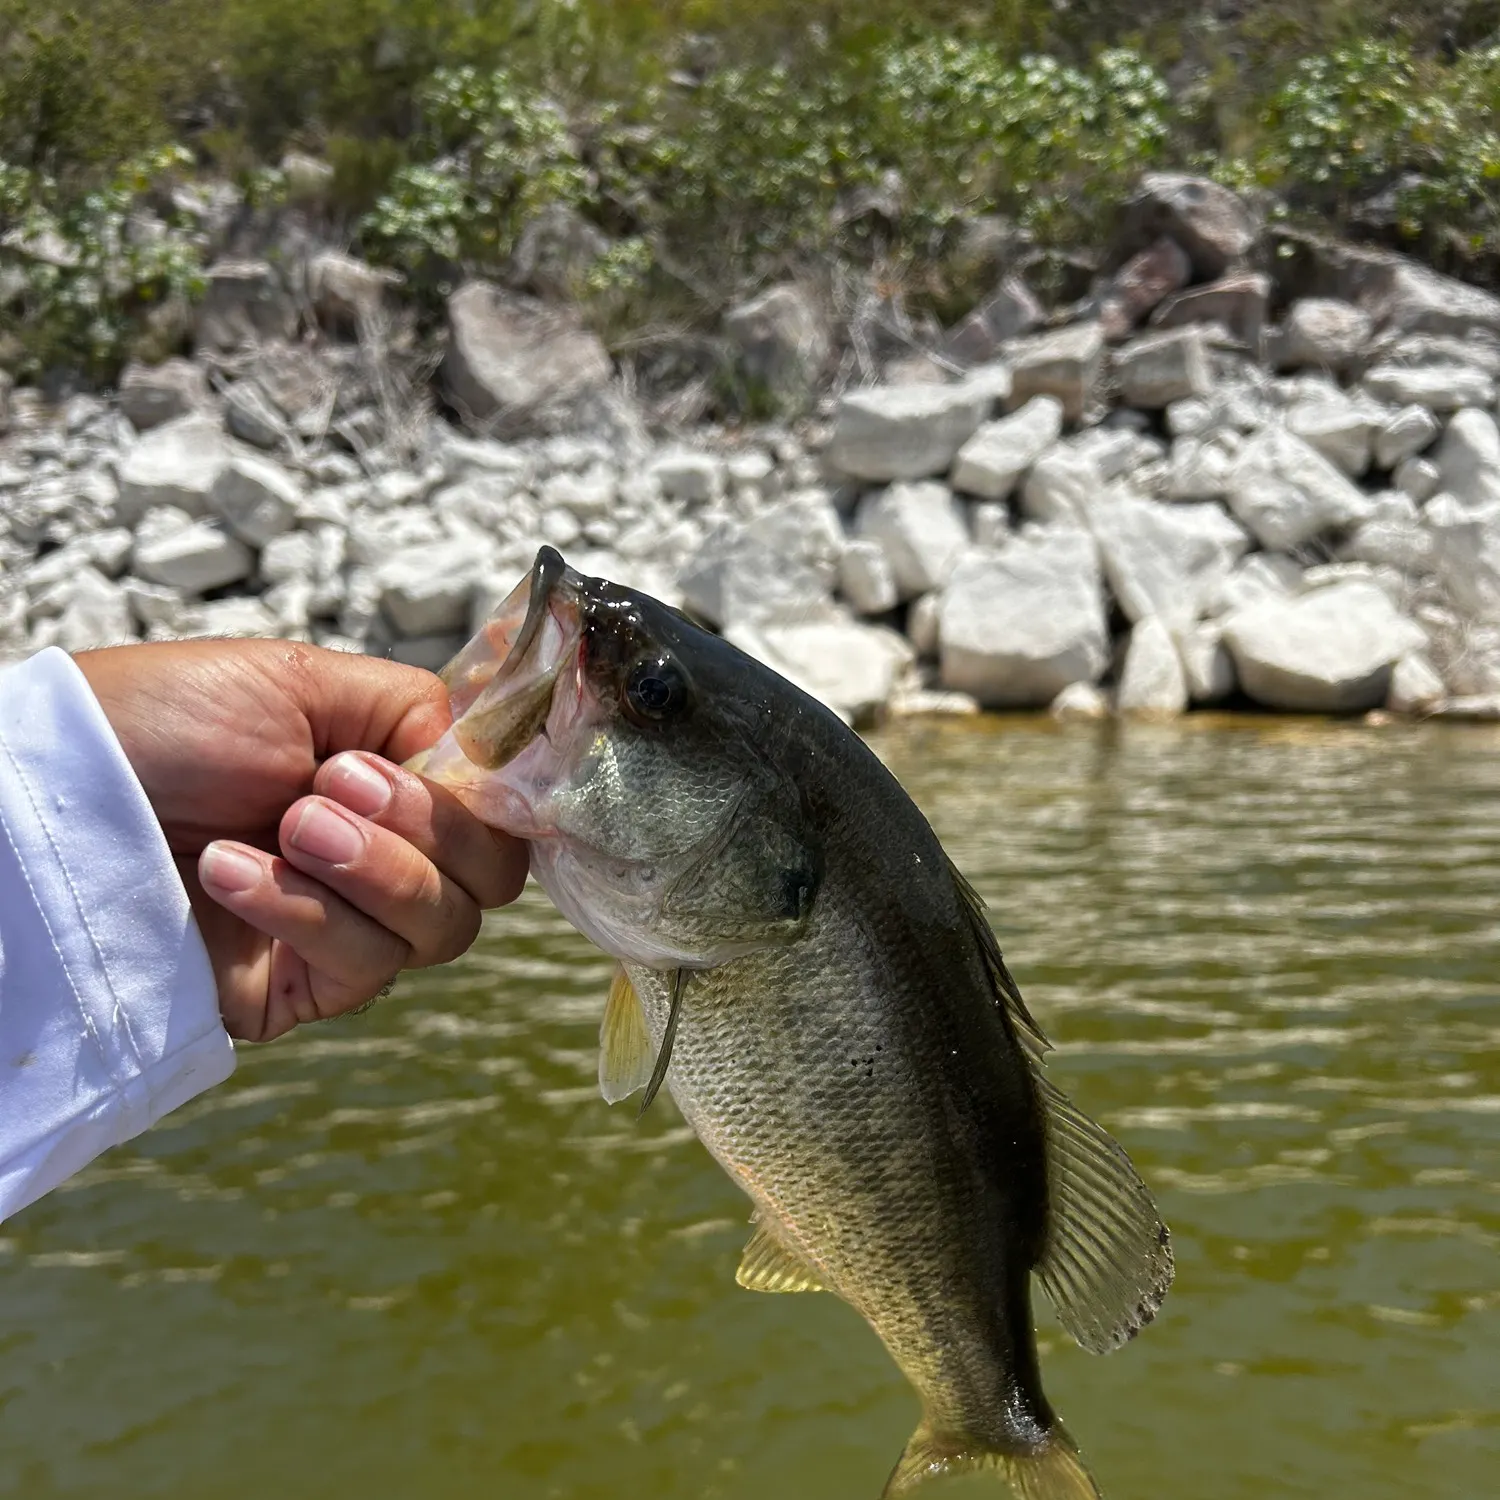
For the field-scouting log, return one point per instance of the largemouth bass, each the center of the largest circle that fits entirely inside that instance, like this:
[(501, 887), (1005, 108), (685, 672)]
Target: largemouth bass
[(820, 990)]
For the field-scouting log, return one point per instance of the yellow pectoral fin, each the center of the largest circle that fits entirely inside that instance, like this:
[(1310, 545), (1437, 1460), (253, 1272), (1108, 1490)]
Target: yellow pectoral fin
[(768, 1266), (625, 1053)]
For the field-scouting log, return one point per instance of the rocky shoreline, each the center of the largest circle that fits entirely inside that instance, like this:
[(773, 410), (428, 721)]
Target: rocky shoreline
[(1247, 469)]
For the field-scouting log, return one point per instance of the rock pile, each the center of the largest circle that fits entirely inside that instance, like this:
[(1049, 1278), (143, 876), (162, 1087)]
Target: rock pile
[(1206, 487)]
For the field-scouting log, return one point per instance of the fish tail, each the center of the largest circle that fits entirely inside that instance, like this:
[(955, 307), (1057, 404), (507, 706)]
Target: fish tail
[(1053, 1470)]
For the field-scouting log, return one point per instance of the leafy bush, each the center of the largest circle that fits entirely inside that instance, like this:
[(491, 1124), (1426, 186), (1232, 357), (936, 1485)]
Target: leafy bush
[(85, 269), (496, 153)]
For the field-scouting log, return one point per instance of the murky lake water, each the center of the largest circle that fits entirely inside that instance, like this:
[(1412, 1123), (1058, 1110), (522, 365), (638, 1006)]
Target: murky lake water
[(414, 1254)]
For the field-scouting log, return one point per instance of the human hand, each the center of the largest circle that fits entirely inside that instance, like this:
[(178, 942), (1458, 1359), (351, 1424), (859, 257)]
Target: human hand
[(247, 748)]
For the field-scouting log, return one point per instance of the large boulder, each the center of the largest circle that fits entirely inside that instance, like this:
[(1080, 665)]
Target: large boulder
[(1468, 459), (1287, 493), (1157, 369), (153, 394), (1466, 556), (174, 464), (1140, 285), (191, 556), (1439, 387), (991, 462), (1323, 333), (1164, 562), (1403, 435), (1213, 225), (1236, 303), (1341, 430), (1152, 684), (853, 668), (512, 363), (782, 344), (1416, 299), (244, 303), (1019, 625), (1008, 313), (922, 530), (735, 579), (255, 498), (1328, 651), (906, 431), (1065, 363), (426, 590)]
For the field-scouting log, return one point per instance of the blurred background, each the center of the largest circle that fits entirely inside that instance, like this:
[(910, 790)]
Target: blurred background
[(1094, 405)]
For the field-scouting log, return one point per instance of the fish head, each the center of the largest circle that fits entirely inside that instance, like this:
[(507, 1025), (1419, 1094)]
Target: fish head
[(635, 752)]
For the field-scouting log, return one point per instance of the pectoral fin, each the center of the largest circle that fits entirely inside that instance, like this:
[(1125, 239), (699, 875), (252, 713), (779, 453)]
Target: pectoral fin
[(768, 1266), (624, 1045)]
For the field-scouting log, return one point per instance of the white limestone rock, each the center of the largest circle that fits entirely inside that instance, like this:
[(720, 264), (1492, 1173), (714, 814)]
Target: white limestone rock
[(904, 432), (682, 474), (921, 528), (1063, 483), (1152, 684), (1157, 369), (990, 463), (1065, 363), (735, 580), (1415, 686), (1206, 663), (255, 498), (1323, 333), (1080, 703), (1287, 493), (1440, 387), (852, 668), (193, 556), (1341, 430), (1418, 479), (1165, 562), (923, 620), (1405, 434), (425, 590), (1329, 651), (174, 464), (866, 579), (1468, 459), (1019, 625)]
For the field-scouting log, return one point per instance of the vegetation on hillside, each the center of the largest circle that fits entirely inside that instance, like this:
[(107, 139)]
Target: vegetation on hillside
[(713, 144)]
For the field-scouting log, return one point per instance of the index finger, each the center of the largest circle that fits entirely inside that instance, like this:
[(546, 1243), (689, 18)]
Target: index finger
[(489, 865)]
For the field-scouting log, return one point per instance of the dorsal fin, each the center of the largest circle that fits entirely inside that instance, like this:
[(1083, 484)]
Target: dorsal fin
[(625, 1054), (768, 1266), (1028, 1032), (1106, 1263)]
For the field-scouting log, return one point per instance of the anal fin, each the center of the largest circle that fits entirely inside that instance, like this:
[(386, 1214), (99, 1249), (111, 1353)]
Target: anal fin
[(1052, 1471), (625, 1056), (768, 1266)]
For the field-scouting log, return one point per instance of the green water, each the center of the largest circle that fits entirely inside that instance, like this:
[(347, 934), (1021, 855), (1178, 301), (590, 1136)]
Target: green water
[(414, 1254)]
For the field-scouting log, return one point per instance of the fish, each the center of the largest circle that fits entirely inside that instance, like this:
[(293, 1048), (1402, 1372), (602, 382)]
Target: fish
[(819, 988)]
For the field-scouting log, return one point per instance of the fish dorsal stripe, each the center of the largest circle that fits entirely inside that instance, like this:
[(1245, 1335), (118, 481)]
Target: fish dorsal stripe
[(768, 1266), (1106, 1263), (624, 1045)]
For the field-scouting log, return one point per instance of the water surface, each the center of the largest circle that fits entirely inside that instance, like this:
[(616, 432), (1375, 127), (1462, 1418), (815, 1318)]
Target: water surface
[(414, 1254)]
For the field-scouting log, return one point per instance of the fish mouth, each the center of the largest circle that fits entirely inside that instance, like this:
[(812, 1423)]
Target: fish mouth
[(501, 685)]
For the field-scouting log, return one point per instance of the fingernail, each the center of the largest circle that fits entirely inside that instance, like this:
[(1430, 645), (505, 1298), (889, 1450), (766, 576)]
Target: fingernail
[(229, 869), (358, 785), (326, 835)]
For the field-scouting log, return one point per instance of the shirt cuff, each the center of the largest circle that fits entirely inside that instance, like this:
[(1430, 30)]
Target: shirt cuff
[(109, 1013)]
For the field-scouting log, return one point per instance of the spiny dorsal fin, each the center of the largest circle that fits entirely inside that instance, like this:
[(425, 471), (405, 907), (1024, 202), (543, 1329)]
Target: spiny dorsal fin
[(624, 1045), (1053, 1471), (768, 1266), (1006, 990), (1108, 1257), (1107, 1263)]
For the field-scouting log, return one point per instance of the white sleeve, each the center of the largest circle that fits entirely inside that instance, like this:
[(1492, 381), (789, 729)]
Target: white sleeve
[(108, 1012)]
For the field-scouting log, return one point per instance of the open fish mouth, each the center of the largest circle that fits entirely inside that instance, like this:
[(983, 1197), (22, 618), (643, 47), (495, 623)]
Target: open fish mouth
[(501, 684)]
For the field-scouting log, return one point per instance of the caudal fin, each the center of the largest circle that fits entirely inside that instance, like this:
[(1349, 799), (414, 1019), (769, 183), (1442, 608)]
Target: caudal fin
[(1054, 1471)]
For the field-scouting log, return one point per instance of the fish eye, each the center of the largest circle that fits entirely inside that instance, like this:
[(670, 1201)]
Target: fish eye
[(656, 689)]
